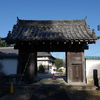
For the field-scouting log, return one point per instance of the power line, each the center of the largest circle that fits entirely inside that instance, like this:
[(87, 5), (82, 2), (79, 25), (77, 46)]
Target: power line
[(93, 53)]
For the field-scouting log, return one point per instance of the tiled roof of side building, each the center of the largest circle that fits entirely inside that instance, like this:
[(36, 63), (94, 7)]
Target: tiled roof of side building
[(10, 52), (43, 54), (92, 57), (49, 30), (1, 53)]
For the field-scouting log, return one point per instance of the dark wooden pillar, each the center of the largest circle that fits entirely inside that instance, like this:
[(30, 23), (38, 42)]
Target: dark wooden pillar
[(22, 59), (32, 67), (66, 69), (27, 65)]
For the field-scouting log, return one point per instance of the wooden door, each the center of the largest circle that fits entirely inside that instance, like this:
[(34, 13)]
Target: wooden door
[(77, 73)]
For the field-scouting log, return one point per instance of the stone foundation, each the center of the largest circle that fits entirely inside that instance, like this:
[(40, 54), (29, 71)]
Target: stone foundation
[(90, 81)]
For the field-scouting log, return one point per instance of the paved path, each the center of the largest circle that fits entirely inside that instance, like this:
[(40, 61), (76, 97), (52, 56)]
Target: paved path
[(44, 76)]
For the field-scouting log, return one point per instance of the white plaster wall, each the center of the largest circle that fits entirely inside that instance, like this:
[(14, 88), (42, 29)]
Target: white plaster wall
[(47, 58), (90, 66), (40, 58), (53, 70), (44, 63), (9, 66), (43, 58)]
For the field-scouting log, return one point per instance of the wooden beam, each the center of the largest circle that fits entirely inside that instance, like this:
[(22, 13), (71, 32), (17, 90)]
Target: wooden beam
[(76, 40)]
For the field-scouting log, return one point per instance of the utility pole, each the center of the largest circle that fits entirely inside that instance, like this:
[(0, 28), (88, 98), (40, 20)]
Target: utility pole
[(57, 54), (63, 60)]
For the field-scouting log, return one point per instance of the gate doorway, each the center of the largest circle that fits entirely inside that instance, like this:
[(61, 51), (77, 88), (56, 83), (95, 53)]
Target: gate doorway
[(55, 61)]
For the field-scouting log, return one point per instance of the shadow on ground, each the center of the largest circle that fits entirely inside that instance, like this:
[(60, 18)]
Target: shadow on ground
[(83, 94), (50, 94)]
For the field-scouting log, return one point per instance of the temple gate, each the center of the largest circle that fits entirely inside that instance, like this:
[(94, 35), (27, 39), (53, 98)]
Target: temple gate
[(70, 36)]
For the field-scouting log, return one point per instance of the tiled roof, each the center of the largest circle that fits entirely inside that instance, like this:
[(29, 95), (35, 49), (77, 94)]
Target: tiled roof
[(49, 30), (92, 57)]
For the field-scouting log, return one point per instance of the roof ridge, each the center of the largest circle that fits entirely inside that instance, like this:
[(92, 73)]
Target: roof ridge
[(92, 56), (51, 20)]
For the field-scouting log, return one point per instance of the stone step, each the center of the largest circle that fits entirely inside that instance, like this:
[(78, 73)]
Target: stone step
[(85, 87)]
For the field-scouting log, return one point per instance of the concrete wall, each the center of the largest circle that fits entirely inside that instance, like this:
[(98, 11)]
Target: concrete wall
[(10, 65), (90, 66)]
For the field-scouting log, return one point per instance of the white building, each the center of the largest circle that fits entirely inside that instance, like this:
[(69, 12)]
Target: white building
[(52, 70), (46, 59), (92, 68), (8, 60)]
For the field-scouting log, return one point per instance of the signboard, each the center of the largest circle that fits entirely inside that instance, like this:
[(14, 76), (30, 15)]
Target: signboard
[(99, 27)]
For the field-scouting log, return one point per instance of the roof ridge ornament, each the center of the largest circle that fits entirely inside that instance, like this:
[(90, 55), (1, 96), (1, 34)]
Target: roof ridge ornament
[(17, 20), (93, 32), (85, 18), (9, 33)]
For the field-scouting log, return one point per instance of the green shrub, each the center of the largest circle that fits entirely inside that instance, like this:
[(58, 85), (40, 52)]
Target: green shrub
[(56, 69), (60, 70), (41, 68)]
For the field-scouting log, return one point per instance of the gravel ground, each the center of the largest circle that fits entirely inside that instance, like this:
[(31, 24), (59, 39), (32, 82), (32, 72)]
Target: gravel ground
[(51, 93), (83, 94), (19, 94)]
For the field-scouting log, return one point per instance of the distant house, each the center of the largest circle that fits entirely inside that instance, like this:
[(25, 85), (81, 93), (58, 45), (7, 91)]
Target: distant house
[(92, 69), (63, 69), (8, 60), (52, 70), (46, 59)]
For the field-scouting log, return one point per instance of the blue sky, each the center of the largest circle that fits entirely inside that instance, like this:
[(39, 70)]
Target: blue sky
[(51, 10)]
